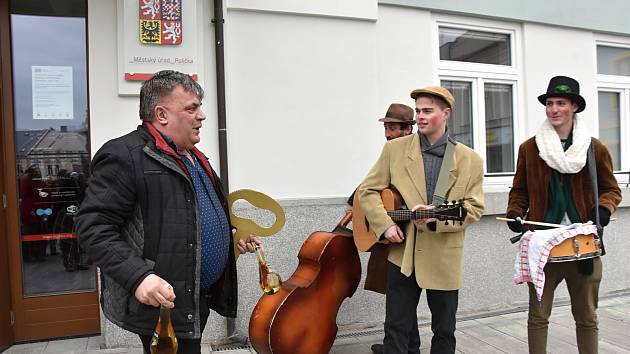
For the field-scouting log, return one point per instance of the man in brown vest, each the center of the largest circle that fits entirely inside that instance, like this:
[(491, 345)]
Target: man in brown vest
[(398, 122)]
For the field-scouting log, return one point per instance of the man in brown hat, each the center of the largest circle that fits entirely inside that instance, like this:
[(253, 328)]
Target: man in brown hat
[(552, 184), (398, 122), (428, 254)]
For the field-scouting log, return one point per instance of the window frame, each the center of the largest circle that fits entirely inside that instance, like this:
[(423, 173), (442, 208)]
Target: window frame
[(482, 124), (479, 74), (475, 25), (607, 77), (624, 123), (616, 84), (478, 110)]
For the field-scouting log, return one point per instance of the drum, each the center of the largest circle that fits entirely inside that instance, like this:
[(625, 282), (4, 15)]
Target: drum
[(575, 248)]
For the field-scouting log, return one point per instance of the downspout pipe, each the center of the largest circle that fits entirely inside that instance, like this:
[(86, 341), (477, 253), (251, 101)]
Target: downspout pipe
[(220, 75), (218, 21)]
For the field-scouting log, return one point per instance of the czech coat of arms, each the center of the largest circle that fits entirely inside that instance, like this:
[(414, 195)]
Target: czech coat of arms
[(160, 21)]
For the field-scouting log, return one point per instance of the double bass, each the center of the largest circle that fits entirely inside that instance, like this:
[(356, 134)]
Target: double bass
[(302, 316)]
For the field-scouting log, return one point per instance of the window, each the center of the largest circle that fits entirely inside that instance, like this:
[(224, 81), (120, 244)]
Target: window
[(613, 60), (478, 64), (613, 93), (460, 123), (609, 124), (49, 62), (499, 127), (467, 45)]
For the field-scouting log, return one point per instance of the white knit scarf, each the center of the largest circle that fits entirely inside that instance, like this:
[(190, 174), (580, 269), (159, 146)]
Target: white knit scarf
[(551, 151)]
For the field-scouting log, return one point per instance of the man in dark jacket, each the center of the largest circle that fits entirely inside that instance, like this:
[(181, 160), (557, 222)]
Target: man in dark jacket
[(155, 220), (552, 184)]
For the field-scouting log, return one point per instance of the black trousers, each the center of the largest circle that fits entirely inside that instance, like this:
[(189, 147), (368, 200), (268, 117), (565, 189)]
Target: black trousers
[(186, 346), (401, 321)]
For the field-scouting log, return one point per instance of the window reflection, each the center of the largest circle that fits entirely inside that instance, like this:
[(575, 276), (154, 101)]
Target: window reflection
[(51, 143), (474, 46), (613, 60), (609, 125), (460, 122), (499, 128)]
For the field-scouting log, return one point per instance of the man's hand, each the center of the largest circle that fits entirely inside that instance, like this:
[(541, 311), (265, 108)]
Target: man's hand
[(604, 216), (394, 234), (155, 291), (516, 225), (419, 222), (247, 245)]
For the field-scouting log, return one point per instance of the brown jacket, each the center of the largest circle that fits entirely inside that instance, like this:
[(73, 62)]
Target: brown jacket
[(529, 196)]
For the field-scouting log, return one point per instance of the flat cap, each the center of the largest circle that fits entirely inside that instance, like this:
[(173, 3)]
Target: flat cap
[(438, 91)]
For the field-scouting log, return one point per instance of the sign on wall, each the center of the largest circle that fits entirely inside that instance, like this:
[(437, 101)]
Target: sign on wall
[(156, 35)]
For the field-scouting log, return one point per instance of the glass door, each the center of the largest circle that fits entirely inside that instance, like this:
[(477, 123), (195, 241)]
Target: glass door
[(50, 128)]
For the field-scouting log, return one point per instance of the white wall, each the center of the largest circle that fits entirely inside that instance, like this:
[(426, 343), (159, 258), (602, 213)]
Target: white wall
[(360, 9), (299, 90), (110, 115), (305, 93), (403, 56)]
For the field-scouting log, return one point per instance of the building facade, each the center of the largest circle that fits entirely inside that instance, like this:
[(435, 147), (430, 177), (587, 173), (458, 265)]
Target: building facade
[(302, 85)]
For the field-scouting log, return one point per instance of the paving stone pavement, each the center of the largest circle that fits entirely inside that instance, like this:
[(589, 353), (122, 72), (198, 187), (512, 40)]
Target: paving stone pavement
[(491, 333)]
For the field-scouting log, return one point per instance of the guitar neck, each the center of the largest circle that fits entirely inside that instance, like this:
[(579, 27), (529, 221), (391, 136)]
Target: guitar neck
[(405, 215)]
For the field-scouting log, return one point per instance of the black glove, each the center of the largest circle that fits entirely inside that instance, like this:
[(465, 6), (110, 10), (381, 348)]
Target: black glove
[(604, 216), (515, 226)]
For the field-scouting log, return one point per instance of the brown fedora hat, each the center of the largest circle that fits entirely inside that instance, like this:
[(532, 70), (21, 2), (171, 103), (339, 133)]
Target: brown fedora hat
[(399, 113), (438, 91), (566, 87)]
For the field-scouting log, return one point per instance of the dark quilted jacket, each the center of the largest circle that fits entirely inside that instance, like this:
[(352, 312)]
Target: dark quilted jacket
[(140, 216)]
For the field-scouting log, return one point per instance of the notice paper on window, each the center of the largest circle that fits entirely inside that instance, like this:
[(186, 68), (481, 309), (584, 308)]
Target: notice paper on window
[(52, 92)]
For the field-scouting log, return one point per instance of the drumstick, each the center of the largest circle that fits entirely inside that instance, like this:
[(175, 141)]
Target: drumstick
[(531, 222), (538, 222)]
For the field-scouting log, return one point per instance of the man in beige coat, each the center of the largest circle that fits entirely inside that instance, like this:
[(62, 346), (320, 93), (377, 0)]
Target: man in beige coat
[(428, 254)]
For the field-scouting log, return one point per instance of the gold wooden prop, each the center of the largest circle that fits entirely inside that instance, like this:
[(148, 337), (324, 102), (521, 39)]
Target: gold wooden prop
[(245, 227)]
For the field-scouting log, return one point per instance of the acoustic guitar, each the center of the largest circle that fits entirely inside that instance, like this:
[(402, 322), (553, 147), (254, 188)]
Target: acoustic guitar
[(365, 238)]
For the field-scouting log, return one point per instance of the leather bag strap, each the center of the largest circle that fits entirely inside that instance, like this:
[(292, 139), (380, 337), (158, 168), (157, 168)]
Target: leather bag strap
[(592, 169), (439, 196)]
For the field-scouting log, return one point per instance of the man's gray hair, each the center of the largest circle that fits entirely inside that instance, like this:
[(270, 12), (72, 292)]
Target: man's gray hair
[(161, 85)]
